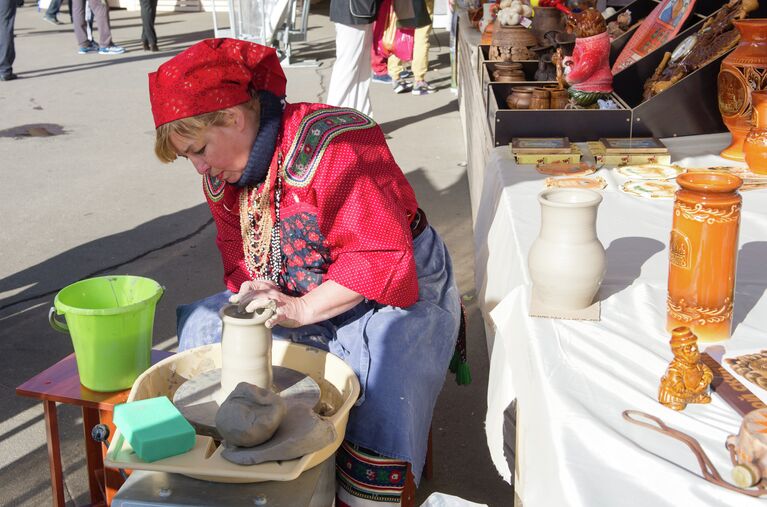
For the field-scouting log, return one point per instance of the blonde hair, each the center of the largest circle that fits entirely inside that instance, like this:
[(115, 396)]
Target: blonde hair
[(192, 128)]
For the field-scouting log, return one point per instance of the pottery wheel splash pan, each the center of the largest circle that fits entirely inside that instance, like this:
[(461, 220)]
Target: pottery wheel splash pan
[(339, 390)]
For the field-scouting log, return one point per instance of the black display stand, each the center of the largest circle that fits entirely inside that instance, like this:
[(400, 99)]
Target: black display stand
[(689, 107), (640, 9)]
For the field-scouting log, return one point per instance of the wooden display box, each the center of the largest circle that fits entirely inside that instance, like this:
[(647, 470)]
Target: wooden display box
[(529, 67), (577, 124)]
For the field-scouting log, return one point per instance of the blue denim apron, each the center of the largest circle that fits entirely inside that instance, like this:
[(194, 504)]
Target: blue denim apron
[(400, 355)]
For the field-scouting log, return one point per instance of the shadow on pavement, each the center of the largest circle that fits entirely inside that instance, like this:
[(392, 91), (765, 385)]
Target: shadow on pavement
[(390, 126), (169, 45), (101, 255)]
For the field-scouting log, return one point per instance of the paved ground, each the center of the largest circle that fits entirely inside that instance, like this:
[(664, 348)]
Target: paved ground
[(92, 199)]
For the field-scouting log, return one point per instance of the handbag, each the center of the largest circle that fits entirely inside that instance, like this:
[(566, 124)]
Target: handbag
[(388, 38)]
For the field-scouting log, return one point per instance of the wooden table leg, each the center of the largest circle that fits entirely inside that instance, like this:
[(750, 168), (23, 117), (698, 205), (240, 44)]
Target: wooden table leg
[(112, 478), (93, 456), (54, 452)]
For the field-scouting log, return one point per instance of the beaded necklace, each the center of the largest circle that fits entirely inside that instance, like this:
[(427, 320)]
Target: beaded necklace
[(261, 233)]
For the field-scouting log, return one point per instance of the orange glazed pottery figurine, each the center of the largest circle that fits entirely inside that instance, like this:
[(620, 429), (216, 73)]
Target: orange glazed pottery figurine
[(687, 378), (703, 253), (755, 144)]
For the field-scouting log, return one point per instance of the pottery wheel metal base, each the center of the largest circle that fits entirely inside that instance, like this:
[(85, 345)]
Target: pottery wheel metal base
[(196, 398)]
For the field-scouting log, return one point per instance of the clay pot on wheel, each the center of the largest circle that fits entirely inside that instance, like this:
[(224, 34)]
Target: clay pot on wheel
[(246, 348), (743, 71), (520, 97)]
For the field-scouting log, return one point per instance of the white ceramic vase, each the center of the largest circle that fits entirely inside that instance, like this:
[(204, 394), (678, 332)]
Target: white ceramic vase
[(246, 349), (567, 261)]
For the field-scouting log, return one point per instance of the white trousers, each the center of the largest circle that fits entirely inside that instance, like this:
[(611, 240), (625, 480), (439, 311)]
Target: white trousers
[(350, 80)]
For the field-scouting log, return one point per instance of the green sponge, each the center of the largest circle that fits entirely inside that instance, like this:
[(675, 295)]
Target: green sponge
[(154, 428)]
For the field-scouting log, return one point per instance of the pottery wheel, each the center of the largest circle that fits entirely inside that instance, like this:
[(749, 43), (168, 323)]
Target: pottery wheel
[(196, 398)]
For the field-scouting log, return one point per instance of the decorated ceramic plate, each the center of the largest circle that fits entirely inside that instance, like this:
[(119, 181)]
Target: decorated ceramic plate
[(654, 189), (576, 182), (650, 171), (566, 169), (741, 172)]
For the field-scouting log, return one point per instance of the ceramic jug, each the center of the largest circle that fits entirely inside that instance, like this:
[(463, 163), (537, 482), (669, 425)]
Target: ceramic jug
[(703, 254), (743, 71), (755, 144), (246, 348), (567, 261), (520, 97)]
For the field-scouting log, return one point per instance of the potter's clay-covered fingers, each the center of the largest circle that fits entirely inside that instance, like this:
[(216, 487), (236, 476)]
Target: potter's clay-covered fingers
[(259, 302), (250, 290)]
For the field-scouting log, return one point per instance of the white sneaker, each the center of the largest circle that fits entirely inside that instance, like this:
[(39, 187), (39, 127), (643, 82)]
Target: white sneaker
[(112, 50)]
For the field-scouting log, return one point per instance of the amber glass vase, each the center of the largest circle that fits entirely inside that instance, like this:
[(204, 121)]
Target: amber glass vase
[(743, 71), (703, 254), (755, 145)]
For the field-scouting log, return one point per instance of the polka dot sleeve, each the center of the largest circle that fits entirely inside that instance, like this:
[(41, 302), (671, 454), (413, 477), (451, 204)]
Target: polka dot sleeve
[(365, 205)]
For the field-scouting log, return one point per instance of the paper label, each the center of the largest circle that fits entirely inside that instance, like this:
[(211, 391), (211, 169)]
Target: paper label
[(526, 22)]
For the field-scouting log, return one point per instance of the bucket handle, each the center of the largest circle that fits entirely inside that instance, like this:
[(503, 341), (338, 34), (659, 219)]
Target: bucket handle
[(61, 327)]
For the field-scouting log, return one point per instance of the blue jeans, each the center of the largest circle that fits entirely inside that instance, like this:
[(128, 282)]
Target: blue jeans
[(53, 9), (7, 47)]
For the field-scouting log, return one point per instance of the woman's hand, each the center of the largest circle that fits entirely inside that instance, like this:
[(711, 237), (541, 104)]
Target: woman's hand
[(324, 302), (290, 311)]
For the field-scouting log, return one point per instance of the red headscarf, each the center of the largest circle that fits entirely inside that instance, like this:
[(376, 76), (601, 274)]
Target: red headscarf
[(212, 75)]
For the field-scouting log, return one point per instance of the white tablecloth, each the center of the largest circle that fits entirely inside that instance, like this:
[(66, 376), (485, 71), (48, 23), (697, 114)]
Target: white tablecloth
[(573, 379)]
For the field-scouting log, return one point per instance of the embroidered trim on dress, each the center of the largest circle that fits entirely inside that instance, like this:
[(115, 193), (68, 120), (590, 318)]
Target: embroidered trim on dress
[(214, 187), (366, 475), (314, 134)]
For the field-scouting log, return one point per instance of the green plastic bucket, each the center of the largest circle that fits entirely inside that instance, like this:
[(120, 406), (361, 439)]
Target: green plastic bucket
[(110, 320)]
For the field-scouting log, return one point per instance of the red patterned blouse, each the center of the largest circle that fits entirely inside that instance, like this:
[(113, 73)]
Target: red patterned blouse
[(345, 209)]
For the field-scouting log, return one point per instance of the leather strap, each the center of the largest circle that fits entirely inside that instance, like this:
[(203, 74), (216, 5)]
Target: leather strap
[(707, 468)]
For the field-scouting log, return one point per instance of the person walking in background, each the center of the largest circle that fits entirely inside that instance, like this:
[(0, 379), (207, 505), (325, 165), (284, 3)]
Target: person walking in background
[(7, 47), (101, 14), (350, 80), (379, 66), (148, 35), (423, 10), (51, 14)]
